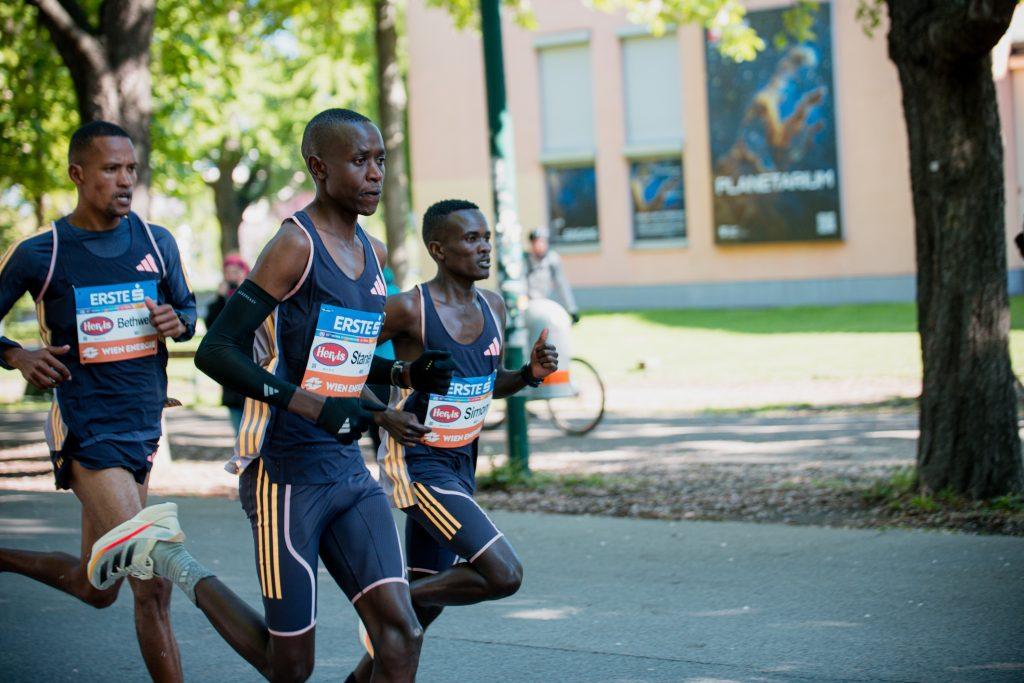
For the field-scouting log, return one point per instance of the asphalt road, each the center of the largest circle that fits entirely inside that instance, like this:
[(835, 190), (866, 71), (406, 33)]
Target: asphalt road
[(603, 600)]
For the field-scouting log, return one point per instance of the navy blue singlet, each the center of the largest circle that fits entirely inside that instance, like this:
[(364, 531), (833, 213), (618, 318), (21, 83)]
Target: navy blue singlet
[(95, 305), (455, 418), (320, 337)]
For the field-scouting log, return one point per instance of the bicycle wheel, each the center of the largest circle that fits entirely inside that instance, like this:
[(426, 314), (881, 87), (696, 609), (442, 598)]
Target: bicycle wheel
[(578, 414)]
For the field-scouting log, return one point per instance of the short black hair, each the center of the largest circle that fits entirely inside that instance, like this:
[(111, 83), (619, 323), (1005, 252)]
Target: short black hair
[(436, 217), (83, 137), (320, 126)]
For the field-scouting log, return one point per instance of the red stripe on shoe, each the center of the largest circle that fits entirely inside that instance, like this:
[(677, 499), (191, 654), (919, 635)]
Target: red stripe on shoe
[(116, 543)]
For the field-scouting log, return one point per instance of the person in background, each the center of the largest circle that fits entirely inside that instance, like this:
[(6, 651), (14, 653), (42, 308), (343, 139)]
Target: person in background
[(235, 271), (545, 277)]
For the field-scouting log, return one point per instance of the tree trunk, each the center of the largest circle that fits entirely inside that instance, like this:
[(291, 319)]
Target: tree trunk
[(969, 442), (226, 198), (229, 214), (39, 208), (391, 101), (231, 200), (109, 66)]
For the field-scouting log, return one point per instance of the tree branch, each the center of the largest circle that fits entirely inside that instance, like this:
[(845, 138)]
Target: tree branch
[(254, 186), (971, 31), (66, 22)]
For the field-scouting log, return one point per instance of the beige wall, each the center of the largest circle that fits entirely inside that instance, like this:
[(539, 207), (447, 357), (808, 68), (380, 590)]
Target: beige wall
[(448, 139)]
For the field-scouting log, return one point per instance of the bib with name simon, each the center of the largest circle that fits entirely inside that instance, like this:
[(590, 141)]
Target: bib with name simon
[(457, 417), (343, 345), (113, 322)]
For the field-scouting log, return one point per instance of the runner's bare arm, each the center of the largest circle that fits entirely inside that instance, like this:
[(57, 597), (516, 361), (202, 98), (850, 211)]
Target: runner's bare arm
[(402, 319), (543, 357), (428, 370)]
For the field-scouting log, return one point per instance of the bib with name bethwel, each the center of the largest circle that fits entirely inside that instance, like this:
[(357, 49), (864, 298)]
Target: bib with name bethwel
[(456, 418), (113, 322), (343, 345)]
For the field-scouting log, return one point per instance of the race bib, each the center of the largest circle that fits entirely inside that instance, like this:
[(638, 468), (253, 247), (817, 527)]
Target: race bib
[(457, 417), (339, 359), (113, 322)]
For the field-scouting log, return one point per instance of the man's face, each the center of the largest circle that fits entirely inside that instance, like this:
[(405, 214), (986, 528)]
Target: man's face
[(354, 167), (465, 245), (105, 173), (539, 246), (234, 274)]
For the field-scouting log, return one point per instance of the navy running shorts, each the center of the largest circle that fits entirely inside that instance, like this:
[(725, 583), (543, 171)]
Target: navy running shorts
[(347, 523), (134, 456), (445, 523)]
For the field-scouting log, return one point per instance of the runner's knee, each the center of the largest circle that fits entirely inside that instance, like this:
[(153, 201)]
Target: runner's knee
[(152, 594), (399, 645), (100, 599), (506, 580)]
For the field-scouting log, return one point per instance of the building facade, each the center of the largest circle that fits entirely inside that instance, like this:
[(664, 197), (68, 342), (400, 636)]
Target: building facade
[(669, 176)]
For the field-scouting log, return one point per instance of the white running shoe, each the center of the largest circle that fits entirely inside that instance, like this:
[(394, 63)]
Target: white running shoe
[(364, 638), (124, 550)]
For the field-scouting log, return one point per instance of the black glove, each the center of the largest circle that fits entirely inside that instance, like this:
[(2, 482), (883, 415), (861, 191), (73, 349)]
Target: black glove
[(432, 372), (346, 419), (1019, 241), (575, 317)]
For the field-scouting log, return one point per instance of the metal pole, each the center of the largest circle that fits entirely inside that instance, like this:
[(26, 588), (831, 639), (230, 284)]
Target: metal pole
[(508, 232)]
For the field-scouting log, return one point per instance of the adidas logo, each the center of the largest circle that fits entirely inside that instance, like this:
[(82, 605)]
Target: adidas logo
[(147, 265), (345, 427), (379, 288), (269, 390), (493, 349)]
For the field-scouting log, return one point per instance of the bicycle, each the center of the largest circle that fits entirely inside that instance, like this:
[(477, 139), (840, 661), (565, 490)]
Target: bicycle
[(575, 415)]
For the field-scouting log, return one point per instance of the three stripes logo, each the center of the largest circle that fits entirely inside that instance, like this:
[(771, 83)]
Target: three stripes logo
[(269, 391), (379, 288), (147, 265), (493, 349)]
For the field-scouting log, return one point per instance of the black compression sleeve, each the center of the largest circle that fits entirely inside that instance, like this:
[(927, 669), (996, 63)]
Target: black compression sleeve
[(226, 351), (380, 371)]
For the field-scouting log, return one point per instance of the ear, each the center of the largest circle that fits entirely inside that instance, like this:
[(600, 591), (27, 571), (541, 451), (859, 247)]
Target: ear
[(317, 167), (436, 250), (76, 174)]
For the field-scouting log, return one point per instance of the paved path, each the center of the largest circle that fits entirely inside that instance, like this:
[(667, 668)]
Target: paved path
[(604, 599), (825, 443)]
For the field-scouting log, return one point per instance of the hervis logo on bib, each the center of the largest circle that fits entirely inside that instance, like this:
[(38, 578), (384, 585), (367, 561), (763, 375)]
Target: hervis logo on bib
[(445, 413), (330, 354), (97, 325)]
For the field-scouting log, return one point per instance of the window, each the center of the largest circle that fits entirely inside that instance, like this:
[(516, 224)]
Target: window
[(654, 136), (567, 120), (650, 68), (567, 115)]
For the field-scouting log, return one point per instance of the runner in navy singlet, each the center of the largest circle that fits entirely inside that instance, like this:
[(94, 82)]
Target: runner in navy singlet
[(455, 554), (109, 290)]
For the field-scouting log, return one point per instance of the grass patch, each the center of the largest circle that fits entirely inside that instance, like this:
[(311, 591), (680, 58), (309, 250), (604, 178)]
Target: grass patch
[(508, 478), (899, 494), (900, 484)]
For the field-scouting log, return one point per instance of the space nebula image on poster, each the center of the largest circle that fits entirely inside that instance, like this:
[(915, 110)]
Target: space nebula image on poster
[(572, 204), (773, 137), (656, 187)]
